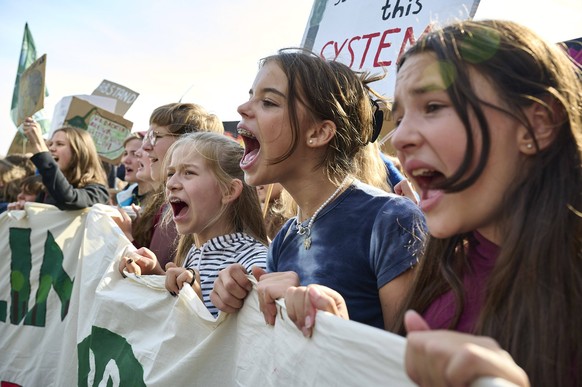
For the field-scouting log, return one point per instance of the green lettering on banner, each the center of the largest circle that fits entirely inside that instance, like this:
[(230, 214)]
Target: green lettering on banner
[(51, 275), (20, 266), (107, 359)]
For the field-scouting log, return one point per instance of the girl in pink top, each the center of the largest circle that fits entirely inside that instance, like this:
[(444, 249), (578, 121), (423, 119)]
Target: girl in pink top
[(489, 130)]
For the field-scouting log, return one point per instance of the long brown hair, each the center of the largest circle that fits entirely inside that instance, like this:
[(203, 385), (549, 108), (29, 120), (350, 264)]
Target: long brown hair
[(329, 90), (534, 293), (85, 166)]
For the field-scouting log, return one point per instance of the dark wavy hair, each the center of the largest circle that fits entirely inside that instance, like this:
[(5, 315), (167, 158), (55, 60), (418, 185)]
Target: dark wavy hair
[(328, 90), (534, 293)]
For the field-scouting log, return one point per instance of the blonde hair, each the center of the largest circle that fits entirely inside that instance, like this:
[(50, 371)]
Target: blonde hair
[(222, 155), (179, 118)]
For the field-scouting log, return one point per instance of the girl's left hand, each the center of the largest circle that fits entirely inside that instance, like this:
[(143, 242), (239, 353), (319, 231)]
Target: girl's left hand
[(448, 358), (176, 277), (303, 302), (272, 286), (33, 133)]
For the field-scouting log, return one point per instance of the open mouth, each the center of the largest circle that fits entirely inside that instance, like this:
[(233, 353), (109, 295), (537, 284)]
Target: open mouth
[(427, 179), (252, 146), (178, 207)]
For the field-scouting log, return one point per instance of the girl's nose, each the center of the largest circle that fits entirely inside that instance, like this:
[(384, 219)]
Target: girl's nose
[(172, 183), (404, 136), (244, 109)]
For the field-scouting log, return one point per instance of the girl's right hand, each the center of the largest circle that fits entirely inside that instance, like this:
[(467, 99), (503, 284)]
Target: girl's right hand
[(19, 205), (231, 288), (31, 129), (140, 262), (447, 358)]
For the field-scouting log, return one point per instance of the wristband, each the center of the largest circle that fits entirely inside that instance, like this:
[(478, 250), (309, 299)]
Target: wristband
[(193, 276)]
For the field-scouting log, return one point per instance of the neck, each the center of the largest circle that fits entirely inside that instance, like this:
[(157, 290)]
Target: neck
[(311, 196), (143, 187)]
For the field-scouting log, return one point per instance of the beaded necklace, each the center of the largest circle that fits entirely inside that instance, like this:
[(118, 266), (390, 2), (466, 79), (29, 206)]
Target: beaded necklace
[(306, 230)]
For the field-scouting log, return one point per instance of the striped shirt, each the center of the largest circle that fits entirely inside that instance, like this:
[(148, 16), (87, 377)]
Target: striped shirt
[(220, 252)]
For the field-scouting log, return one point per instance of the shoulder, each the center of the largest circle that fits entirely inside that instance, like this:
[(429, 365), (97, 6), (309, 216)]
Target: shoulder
[(244, 243)]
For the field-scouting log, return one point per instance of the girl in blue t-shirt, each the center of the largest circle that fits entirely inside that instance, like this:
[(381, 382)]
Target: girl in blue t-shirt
[(304, 125)]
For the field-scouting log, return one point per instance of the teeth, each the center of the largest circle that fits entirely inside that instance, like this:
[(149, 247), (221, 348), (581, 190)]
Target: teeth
[(422, 172), (244, 132)]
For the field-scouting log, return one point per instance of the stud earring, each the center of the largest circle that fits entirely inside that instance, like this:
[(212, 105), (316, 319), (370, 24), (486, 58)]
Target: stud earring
[(310, 142), (529, 145)]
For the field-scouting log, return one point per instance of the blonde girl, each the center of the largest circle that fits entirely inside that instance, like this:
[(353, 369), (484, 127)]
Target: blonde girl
[(210, 201)]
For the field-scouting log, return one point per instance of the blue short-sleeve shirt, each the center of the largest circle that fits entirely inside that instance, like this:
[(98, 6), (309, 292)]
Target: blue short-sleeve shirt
[(359, 242)]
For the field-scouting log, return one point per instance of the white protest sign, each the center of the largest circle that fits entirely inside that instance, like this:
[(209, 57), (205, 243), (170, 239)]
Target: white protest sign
[(370, 35)]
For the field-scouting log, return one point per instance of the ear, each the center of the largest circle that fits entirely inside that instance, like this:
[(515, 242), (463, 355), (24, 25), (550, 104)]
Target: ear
[(320, 133), (234, 191), (543, 125)]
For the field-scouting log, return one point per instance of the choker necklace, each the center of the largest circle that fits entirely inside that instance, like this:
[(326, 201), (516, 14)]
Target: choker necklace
[(306, 230)]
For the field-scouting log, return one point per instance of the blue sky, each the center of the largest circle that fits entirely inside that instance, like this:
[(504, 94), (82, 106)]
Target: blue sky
[(206, 51)]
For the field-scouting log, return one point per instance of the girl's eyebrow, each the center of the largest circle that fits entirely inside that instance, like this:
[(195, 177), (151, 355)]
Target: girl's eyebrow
[(431, 87), (269, 90)]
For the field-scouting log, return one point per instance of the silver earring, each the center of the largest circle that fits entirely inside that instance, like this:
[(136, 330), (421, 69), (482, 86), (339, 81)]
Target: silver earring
[(310, 142), (529, 145)]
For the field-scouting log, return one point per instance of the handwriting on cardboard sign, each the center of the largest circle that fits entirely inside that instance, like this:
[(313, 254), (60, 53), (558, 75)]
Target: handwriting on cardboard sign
[(108, 136), (117, 92), (360, 48)]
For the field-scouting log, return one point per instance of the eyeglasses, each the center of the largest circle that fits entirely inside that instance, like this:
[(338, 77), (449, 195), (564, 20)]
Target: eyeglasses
[(152, 136)]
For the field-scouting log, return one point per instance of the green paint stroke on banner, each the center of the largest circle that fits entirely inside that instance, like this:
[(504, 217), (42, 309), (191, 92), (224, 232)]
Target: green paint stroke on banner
[(104, 356), (20, 266), (51, 274)]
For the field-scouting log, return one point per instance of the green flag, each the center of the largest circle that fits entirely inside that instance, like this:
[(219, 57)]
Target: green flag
[(27, 57)]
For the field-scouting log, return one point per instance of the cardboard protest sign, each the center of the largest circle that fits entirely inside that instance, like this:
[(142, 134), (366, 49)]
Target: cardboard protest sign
[(125, 97), (31, 90), (108, 130), (62, 107)]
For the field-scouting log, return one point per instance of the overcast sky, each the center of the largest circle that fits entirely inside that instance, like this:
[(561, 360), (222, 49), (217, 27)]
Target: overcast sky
[(204, 51)]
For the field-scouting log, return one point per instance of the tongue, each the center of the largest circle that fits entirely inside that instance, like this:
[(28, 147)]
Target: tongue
[(429, 198), (249, 157)]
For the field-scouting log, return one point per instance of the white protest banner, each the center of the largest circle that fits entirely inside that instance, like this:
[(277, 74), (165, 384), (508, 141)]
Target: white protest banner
[(370, 35), (87, 326), (39, 250)]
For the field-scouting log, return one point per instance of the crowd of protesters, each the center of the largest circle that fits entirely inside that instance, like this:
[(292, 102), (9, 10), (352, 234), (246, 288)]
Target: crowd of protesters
[(449, 244)]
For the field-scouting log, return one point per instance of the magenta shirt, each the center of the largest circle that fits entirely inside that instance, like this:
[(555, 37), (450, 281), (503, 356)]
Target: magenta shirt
[(482, 255)]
